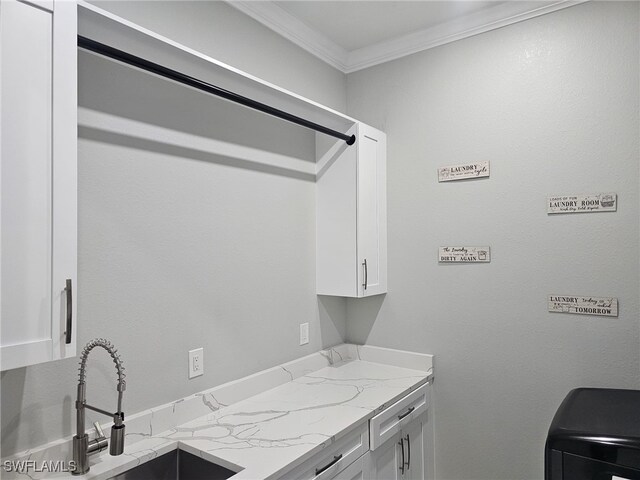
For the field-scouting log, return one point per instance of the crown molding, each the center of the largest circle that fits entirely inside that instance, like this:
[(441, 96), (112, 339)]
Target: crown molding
[(298, 32), (467, 26), (292, 28)]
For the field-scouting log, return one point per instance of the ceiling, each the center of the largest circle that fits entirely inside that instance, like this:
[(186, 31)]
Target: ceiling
[(354, 34), (354, 25)]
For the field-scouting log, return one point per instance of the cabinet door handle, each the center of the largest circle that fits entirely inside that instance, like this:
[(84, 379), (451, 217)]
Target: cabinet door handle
[(68, 290), (408, 452), (401, 442), (328, 465), (366, 274), (409, 410)]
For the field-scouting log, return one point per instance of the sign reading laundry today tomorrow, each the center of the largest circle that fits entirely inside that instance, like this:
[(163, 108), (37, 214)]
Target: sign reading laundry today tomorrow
[(607, 306), (596, 202), (461, 172), (464, 254)]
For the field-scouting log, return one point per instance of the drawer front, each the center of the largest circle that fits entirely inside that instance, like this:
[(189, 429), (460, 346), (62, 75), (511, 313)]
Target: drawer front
[(355, 471), (326, 464), (390, 421)]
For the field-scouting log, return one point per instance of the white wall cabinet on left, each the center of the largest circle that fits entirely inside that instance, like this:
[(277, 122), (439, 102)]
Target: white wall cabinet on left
[(38, 181)]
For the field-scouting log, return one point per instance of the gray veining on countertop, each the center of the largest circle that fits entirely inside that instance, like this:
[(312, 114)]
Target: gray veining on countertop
[(264, 435)]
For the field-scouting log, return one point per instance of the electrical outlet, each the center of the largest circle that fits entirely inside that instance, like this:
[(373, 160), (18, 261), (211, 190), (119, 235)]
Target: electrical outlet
[(196, 362), (304, 333)]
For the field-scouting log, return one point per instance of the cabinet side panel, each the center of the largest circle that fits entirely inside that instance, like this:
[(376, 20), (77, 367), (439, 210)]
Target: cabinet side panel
[(25, 56), (429, 446), (336, 218), (382, 211)]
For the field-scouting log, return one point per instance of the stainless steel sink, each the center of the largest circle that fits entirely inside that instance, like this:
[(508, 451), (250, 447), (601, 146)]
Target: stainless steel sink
[(176, 465)]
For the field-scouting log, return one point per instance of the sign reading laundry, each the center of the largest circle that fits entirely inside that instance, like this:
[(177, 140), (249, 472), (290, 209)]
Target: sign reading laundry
[(464, 254), (607, 306), (597, 202), (461, 172)]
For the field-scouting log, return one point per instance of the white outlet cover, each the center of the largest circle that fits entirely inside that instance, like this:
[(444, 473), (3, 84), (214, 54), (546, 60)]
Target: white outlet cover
[(304, 333), (196, 362)]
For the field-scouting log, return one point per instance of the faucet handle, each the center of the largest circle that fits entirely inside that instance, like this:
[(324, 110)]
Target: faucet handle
[(98, 444), (99, 431)]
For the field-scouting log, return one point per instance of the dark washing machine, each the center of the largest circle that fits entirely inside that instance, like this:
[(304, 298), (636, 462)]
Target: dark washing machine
[(595, 435)]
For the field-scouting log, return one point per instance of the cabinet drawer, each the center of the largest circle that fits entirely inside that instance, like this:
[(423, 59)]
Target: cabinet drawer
[(338, 456), (390, 421)]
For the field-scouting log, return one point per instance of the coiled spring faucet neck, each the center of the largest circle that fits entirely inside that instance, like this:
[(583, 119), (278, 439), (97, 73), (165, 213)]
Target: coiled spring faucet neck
[(82, 447), (113, 351)]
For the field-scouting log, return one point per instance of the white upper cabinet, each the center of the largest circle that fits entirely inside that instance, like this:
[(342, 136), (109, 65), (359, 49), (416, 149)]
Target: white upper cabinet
[(38, 181), (352, 214)]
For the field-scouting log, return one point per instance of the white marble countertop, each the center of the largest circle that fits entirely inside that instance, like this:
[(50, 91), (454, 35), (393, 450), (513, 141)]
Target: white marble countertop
[(266, 435), (266, 424)]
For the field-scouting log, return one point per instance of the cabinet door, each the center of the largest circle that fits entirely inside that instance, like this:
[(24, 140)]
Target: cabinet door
[(386, 461), (37, 180), (418, 442), (372, 211), (415, 450)]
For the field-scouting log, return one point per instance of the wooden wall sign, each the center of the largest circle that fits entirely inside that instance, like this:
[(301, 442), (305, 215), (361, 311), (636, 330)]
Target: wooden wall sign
[(464, 254), (605, 306), (462, 172), (597, 202)]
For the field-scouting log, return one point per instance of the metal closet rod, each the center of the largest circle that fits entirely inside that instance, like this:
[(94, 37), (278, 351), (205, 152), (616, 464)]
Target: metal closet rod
[(124, 57)]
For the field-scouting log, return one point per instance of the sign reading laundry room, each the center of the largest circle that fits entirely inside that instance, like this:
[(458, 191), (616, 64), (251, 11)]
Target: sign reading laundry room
[(596, 202), (605, 306), (462, 172), (464, 254)]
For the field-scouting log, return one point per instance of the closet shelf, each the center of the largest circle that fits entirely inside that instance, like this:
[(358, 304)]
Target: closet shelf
[(101, 26)]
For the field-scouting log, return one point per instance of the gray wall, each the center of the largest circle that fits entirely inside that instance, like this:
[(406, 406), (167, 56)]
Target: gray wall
[(180, 249), (169, 262), (553, 104)]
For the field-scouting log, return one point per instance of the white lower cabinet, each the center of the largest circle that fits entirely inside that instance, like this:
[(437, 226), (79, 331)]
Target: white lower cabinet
[(396, 444), (401, 439), (407, 455)]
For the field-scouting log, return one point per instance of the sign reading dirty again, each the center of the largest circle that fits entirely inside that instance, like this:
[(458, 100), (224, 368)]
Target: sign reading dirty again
[(462, 172), (605, 306), (464, 254), (596, 202)]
